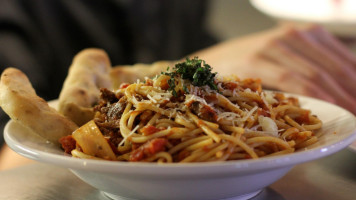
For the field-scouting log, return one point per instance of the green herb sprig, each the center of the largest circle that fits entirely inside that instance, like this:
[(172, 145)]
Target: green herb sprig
[(195, 70)]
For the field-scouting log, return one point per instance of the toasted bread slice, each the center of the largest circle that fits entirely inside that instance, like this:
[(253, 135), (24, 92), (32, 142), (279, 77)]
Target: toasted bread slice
[(130, 73), (81, 90), (20, 101)]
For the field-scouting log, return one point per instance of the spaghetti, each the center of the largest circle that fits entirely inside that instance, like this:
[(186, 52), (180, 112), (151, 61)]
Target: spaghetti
[(171, 118)]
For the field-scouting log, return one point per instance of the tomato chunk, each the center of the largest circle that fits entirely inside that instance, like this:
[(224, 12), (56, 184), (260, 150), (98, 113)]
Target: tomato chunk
[(150, 148), (149, 130), (124, 85)]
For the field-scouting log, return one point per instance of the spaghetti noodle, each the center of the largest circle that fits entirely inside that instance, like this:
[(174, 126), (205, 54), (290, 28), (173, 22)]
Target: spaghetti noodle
[(171, 119)]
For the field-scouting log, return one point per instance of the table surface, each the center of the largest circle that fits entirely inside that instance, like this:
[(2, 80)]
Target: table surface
[(332, 177)]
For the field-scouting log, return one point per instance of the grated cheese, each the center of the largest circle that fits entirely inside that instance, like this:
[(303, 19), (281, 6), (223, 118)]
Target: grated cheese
[(129, 135), (264, 99), (234, 93), (152, 99), (162, 96), (228, 116), (270, 99), (248, 90), (255, 128), (220, 87), (207, 89), (190, 97), (249, 114)]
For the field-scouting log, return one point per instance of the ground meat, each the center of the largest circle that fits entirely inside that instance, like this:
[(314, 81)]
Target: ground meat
[(110, 109), (68, 143), (107, 95), (204, 112), (108, 114)]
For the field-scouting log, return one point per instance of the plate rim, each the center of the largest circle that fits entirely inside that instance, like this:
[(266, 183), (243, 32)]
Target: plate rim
[(352, 147)]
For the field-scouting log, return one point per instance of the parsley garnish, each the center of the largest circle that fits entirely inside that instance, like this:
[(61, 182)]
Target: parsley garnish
[(195, 70)]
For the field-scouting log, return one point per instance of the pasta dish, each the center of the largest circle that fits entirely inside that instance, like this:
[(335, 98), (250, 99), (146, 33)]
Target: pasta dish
[(189, 114)]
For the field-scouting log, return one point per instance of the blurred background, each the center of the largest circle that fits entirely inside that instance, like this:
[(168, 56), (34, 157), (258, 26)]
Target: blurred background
[(227, 19)]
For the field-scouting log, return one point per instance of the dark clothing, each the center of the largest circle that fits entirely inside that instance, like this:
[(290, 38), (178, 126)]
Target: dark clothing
[(40, 37)]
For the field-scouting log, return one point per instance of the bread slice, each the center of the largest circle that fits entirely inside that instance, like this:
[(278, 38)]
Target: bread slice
[(130, 73), (88, 73), (20, 101)]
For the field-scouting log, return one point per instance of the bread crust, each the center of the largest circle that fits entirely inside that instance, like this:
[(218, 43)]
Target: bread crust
[(20, 101), (130, 73), (88, 73)]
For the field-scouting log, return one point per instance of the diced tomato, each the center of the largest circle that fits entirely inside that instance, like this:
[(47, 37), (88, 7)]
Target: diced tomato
[(164, 84), (68, 143), (149, 82), (137, 155), (293, 101), (304, 118), (149, 148), (279, 96), (124, 85), (302, 137), (230, 85), (155, 145), (253, 84), (149, 130)]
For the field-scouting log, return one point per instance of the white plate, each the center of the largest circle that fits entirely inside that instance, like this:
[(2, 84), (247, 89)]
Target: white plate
[(239, 179), (352, 147)]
